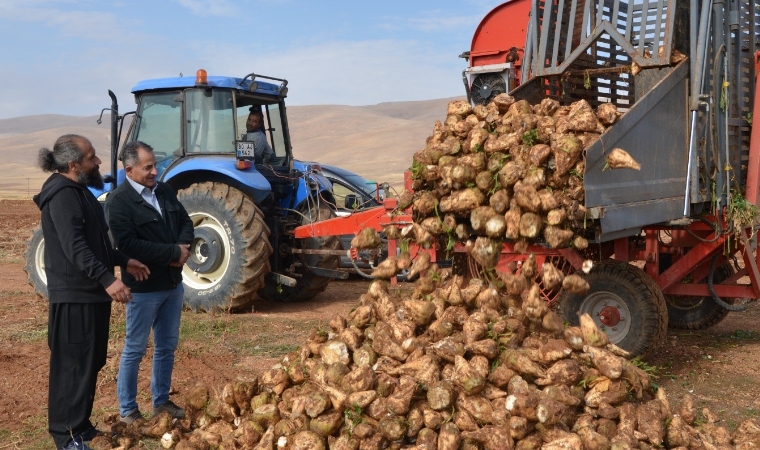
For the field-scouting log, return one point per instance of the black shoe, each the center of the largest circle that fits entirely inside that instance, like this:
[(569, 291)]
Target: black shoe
[(89, 434), (76, 444), (173, 410)]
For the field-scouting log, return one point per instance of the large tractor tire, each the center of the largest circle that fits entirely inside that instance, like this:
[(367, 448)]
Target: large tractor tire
[(698, 313), (35, 262), (624, 302), (308, 284), (229, 257)]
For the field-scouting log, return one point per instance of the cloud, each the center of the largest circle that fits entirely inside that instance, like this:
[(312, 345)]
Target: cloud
[(337, 72), (351, 73), (221, 8), (436, 21), (115, 52), (91, 25), (78, 83)]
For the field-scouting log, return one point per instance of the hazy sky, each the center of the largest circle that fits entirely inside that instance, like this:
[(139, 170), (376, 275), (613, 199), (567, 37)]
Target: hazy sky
[(62, 56)]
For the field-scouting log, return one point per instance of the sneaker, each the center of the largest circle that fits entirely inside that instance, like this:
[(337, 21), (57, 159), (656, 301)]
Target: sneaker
[(76, 444), (132, 417), (173, 410)]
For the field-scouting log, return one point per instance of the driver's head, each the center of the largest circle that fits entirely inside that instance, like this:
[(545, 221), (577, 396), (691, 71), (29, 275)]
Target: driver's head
[(255, 119)]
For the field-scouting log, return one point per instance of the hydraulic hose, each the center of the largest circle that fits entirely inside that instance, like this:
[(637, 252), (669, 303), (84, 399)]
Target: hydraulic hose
[(718, 300), (359, 271)]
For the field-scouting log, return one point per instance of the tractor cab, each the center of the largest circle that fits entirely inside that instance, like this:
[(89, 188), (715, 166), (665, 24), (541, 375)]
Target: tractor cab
[(200, 124)]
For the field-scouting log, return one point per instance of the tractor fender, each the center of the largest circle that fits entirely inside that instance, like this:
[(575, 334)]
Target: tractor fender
[(221, 169)]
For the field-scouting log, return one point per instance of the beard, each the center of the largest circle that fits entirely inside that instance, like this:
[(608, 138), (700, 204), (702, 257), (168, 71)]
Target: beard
[(91, 179)]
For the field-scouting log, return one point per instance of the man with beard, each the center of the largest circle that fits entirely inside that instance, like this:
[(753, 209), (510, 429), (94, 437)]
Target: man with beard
[(79, 264)]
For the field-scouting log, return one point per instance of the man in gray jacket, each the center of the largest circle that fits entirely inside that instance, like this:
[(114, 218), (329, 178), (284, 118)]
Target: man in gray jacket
[(254, 126)]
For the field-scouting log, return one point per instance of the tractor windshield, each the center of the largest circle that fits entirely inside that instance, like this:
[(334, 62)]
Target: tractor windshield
[(159, 121), (214, 121), (210, 124)]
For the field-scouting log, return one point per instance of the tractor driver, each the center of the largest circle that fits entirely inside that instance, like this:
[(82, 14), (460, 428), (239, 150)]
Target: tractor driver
[(255, 133)]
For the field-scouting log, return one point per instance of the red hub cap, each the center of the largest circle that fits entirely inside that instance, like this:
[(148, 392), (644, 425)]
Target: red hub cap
[(609, 316)]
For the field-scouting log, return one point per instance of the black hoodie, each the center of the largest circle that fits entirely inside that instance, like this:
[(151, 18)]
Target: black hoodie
[(79, 257)]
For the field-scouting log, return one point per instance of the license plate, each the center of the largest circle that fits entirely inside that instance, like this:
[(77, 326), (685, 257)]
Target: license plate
[(245, 150)]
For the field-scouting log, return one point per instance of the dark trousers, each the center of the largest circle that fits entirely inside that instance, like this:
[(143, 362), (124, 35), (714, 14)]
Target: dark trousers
[(78, 341)]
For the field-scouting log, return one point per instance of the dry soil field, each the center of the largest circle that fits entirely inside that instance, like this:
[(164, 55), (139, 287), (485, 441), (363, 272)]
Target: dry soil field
[(719, 366)]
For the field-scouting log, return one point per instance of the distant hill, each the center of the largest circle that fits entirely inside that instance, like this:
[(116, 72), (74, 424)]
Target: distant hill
[(376, 141)]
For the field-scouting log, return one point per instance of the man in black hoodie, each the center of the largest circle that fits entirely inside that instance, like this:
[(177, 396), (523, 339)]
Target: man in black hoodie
[(79, 264)]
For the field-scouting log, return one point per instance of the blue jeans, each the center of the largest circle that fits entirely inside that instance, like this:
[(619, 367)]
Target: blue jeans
[(160, 311)]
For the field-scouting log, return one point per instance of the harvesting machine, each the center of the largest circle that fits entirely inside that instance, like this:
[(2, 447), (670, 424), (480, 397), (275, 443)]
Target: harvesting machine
[(673, 244)]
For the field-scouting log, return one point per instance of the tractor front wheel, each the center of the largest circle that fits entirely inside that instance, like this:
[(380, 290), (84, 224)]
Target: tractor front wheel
[(624, 302), (34, 255), (229, 256)]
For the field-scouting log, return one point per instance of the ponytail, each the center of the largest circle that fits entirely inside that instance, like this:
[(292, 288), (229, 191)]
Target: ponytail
[(67, 149)]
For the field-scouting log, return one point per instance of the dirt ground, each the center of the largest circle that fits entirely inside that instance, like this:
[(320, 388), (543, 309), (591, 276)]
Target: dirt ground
[(720, 366)]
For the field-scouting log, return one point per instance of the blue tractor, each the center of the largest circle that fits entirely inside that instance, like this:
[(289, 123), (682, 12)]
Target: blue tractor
[(244, 210)]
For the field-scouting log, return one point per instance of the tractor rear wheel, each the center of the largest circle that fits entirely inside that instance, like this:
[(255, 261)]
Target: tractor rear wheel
[(308, 284), (229, 256), (34, 255), (698, 313), (624, 302)]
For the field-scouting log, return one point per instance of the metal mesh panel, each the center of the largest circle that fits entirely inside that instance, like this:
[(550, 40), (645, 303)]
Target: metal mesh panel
[(586, 48), (739, 135), (644, 29)]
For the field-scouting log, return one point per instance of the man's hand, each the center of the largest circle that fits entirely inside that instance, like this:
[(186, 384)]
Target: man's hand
[(119, 292), (184, 254), (138, 270)]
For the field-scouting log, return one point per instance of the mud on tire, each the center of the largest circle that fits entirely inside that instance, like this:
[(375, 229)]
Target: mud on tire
[(308, 284), (628, 298), (34, 255), (230, 253), (698, 313)]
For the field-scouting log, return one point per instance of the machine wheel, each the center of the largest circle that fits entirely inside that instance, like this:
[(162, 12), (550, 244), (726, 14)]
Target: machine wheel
[(229, 256), (308, 284), (35, 262), (698, 313), (625, 303)]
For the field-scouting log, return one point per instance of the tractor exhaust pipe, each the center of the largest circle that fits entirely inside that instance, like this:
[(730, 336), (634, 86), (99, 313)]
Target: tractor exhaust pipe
[(114, 138)]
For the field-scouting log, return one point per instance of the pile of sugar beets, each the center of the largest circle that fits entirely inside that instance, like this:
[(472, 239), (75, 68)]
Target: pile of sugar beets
[(510, 170), (457, 363)]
